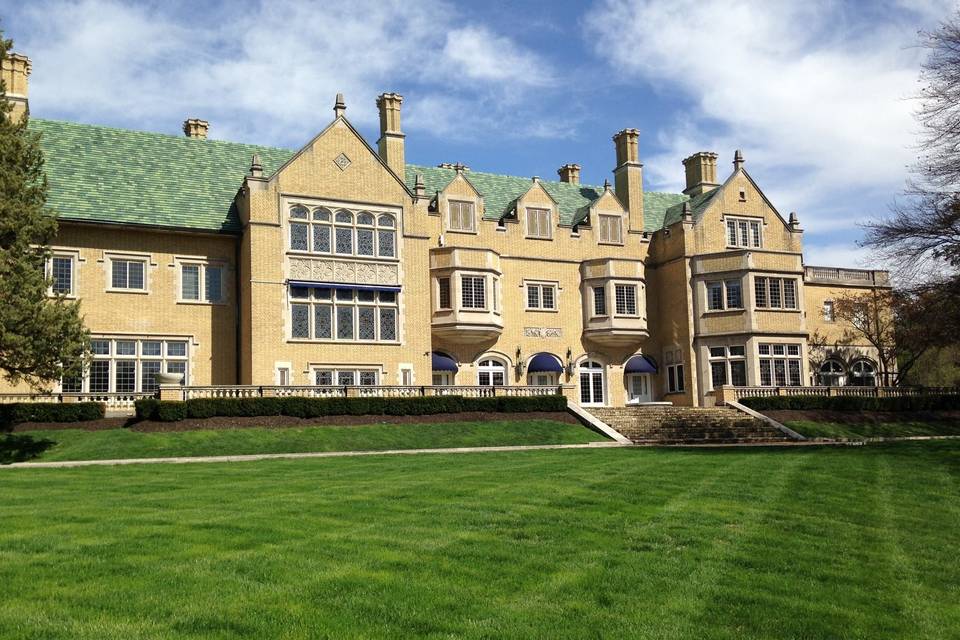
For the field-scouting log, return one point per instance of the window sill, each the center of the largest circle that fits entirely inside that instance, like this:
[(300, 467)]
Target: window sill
[(469, 232), (204, 303), (343, 256), (548, 239), (610, 244), (141, 292), (713, 312), (392, 343), (776, 309), (539, 310)]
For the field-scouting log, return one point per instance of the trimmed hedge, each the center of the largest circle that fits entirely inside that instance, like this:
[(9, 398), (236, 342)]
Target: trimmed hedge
[(318, 407), (856, 403), (17, 412)]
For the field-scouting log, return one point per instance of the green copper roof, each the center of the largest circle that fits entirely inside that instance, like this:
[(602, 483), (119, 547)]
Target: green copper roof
[(698, 205), (501, 192), (101, 174)]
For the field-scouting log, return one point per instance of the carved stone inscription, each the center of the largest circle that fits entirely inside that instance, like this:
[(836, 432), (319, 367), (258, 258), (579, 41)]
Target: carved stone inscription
[(542, 332)]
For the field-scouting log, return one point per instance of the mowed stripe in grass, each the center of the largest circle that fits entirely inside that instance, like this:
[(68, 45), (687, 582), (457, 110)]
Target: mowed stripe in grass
[(858, 430), (644, 543), (75, 444)]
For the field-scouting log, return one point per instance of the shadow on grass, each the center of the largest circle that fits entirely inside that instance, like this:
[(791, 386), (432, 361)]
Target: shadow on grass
[(16, 447)]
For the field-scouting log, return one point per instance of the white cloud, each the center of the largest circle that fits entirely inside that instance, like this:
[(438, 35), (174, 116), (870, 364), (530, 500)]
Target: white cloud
[(840, 254), (814, 96), (269, 73)]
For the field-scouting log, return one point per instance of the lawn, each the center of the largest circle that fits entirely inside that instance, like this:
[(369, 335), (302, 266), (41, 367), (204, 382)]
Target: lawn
[(858, 430), (76, 444), (834, 542)]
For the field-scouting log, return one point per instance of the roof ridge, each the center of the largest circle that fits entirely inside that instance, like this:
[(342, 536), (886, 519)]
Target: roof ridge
[(172, 136)]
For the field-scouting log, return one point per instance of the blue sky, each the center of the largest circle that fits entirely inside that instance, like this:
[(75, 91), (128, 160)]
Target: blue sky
[(815, 93)]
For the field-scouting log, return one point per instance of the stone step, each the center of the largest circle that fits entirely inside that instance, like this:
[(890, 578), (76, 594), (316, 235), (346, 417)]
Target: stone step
[(677, 425)]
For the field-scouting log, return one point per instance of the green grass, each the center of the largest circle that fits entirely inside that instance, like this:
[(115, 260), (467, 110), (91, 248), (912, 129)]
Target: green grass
[(838, 542), (76, 444), (856, 430)]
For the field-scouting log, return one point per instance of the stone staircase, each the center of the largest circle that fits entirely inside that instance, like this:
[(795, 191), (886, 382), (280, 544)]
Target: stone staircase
[(665, 424)]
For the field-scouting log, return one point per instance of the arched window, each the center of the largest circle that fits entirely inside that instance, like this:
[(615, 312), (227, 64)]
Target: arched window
[(591, 383), (863, 374), (831, 374), (344, 233), (491, 373)]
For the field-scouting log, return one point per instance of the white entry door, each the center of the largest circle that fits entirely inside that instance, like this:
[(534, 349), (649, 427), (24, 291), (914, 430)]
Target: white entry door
[(639, 388), (591, 383)]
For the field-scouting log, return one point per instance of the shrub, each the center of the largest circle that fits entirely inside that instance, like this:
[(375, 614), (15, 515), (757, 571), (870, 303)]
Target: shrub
[(17, 412), (318, 407), (932, 402), (171, 411)]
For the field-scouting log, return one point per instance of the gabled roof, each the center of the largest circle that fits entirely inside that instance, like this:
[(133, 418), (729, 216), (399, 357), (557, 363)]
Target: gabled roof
[(118, 176), (500, 192), (102, 174)]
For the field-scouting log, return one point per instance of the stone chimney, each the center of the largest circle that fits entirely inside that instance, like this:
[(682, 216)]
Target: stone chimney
[(569, 173), (15, 69), (628, 176), (196, 128), (701, 170), (390, 143)]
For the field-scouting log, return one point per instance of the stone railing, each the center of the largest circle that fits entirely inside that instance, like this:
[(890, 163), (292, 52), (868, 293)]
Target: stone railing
[(836, 275), (727, 392), (177, 392), (111, 400)]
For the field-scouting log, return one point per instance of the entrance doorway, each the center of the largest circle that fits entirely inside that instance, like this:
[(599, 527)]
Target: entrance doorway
[(591, 383), (639, 388)]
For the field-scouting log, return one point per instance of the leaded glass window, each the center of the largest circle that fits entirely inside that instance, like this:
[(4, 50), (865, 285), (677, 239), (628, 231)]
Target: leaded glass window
[(365, 242), (298, 237), (300, 314), (344, 240), (349, 314), (387, 242), (323, 322), (345, 378), (345, 323), (62, 273), (321, 238), (388, 324), (190, 282), (366, 323)]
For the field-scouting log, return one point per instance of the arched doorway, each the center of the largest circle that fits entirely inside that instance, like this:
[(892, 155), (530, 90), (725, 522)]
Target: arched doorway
[(831, 374), (638, 372), (544, 370), (491, 372), (863, 374), (592, 388)]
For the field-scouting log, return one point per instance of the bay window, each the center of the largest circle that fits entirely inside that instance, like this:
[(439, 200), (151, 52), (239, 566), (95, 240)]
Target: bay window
[(780, 365)]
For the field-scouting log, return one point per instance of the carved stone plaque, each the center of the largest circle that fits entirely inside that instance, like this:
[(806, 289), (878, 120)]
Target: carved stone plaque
[(344, 271), (342, 161), (542, 332)]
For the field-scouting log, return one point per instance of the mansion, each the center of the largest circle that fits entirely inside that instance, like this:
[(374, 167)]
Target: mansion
[(340, 263)]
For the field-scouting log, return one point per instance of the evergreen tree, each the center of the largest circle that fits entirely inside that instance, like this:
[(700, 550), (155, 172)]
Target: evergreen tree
[(41, 336)]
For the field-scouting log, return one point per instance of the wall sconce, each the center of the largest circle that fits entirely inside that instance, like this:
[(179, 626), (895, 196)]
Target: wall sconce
[(520, 366), (569, 363)]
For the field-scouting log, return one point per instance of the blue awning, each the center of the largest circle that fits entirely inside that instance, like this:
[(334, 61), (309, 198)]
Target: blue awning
[(443, 362), (640, 364), (340, 285), (545, 362)]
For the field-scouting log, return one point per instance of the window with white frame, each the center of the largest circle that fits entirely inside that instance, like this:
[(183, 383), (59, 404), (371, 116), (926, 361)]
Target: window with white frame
[(491, 373), (541, 296), (201, 282), (538, 223), (673, 359), (350, 315), (726, 294), (60, 270), (460, 215), (599, 301), (128, 273), (780, 365), (443, 293), (828, 310), (775, 293), (129, 365), (473, 292), (345, 377), (626, 299), (342, 232), (744, 233), (728, 365), (611, 228)]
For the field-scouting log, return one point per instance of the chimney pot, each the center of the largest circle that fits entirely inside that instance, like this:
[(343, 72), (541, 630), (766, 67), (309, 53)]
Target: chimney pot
[(569, 173), (390, 145), (15, 72), (196, 128), (701, 172), (737, 159)]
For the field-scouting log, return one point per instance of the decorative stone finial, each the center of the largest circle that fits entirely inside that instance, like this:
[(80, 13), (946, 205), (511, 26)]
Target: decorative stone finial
[(737, 159), (339, 107), (418, 188), (687, 213), (256, 167), (459, 167), (606, 185), (794, 220)]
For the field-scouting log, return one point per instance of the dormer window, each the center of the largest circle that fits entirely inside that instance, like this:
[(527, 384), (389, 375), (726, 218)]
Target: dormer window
[(538, 223), (744, 233), (460, 216), (611, 229)]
